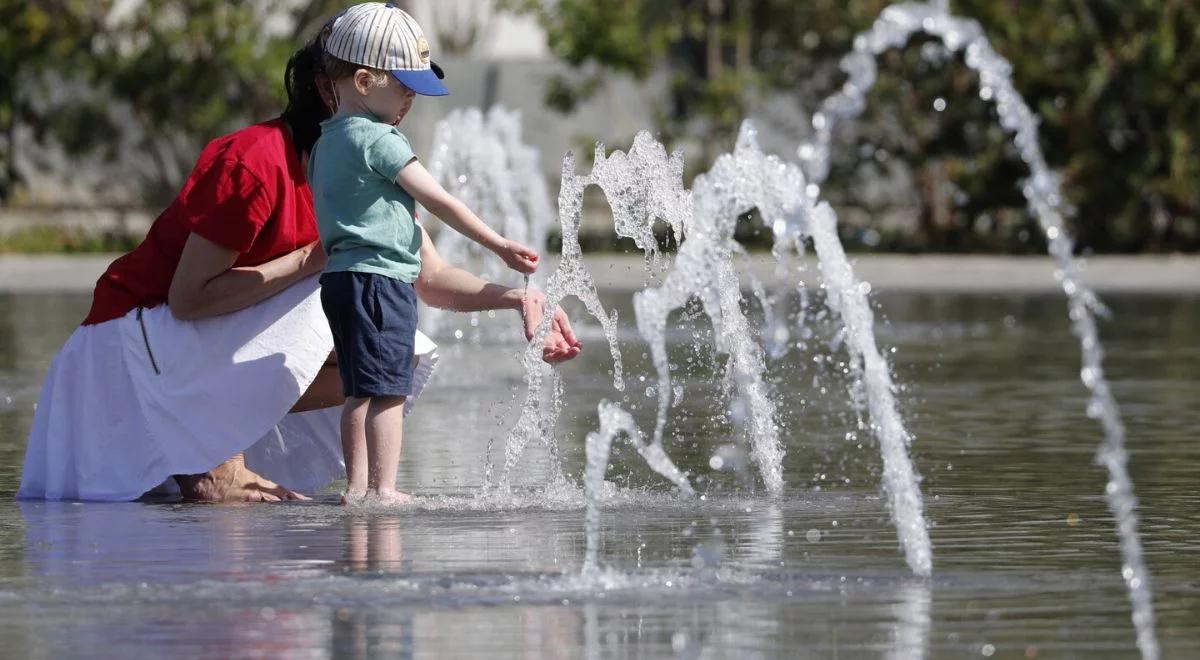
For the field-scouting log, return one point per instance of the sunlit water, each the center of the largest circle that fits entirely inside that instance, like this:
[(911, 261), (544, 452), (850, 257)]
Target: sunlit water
[(1028, 562)]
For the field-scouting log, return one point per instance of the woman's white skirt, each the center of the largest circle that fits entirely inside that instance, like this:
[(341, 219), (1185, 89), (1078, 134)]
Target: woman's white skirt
[(130, 402)]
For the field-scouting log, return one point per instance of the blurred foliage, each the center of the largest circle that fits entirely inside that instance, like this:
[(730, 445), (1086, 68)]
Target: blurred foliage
[(1117, 83), (36, 38), (70, 240), (175, 70)]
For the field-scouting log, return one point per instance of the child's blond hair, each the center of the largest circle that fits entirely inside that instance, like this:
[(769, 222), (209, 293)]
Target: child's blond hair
[(338, 69)]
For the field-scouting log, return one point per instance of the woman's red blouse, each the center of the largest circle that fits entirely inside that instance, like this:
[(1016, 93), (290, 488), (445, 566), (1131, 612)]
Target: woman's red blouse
[(248, 192)]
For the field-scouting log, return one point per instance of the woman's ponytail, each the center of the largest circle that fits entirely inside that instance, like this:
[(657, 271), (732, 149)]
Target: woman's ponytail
[(305, 108)]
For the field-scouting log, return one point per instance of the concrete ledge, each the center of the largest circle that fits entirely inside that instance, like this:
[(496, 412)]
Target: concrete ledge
[(132, 222), (935, 273), (953, 273)]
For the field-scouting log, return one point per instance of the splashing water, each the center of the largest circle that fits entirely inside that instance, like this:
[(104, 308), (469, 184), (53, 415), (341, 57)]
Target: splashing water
[(704, 269), (615, 422), (640, 186), (847, 297), (645, 186), (482, 160), (892, 30), (737, 183)]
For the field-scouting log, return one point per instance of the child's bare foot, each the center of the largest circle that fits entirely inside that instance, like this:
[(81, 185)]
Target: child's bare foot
[(389, 497), (353, 496)]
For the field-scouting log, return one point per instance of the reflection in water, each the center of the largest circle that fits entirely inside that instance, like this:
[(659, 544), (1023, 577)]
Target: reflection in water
[(126, 554), (591, 632), (374, 543), (910, 637), (763, 542)]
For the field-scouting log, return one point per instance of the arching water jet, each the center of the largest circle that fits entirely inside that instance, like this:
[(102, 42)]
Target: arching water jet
[(895, 26)]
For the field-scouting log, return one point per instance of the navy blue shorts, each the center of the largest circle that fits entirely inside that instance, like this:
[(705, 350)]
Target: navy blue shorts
[(374, 324)]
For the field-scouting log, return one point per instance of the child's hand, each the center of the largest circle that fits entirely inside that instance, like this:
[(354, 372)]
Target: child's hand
[(520, 258)]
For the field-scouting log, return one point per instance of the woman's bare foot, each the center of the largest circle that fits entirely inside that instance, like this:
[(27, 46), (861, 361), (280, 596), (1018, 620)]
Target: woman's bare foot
[(232, 481), (355, 496), (389, 497)]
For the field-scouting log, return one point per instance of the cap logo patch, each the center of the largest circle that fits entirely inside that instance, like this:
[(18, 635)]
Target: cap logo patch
[(423, 49)]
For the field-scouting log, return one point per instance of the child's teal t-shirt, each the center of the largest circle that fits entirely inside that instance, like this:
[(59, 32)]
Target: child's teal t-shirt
[(365, 219)]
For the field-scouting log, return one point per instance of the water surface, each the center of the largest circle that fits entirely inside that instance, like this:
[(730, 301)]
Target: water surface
[(1025, 556)]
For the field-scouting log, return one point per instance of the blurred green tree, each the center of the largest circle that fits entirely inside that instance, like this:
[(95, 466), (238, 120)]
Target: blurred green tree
[(38, 37), (184, 70), (1117, 83)]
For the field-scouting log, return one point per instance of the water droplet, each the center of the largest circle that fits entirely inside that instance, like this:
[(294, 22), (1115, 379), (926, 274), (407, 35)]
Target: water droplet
[(939, 104), (813, 535), (988, 650), (1089, 376)]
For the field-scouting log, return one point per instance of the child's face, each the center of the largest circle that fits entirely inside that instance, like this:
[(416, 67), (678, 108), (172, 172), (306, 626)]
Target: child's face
[(391, 102)]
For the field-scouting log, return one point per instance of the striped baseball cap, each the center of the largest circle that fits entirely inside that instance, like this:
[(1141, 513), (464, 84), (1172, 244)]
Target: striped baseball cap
[(383, 36)]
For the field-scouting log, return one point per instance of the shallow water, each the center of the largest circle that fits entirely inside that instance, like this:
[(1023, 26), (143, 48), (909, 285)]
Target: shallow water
[(1025, 555)]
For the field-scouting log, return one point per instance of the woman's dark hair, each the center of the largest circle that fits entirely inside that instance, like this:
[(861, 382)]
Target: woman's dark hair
[(305, 108)]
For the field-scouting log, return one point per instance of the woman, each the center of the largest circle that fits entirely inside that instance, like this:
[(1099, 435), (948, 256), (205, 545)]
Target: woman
[(201, 341)]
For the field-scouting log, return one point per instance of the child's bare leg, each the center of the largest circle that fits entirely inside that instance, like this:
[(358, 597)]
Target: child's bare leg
[(385, 435), (354, 447)]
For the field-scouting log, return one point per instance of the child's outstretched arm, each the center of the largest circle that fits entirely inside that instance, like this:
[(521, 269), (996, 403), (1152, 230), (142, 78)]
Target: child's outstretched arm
[(425, 189)]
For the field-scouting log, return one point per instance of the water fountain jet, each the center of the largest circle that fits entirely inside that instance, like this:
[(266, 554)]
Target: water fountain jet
[(644, 186), (895, 26)]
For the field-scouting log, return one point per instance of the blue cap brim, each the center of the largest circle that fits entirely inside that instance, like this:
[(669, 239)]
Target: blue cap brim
[(425, 82)]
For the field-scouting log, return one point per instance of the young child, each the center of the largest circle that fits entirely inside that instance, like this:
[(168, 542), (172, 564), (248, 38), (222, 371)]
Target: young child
[(365, 179)]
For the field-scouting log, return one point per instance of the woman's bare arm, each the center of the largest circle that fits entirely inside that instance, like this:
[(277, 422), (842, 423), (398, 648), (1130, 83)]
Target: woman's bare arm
[(448, 287), (206, 283)]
